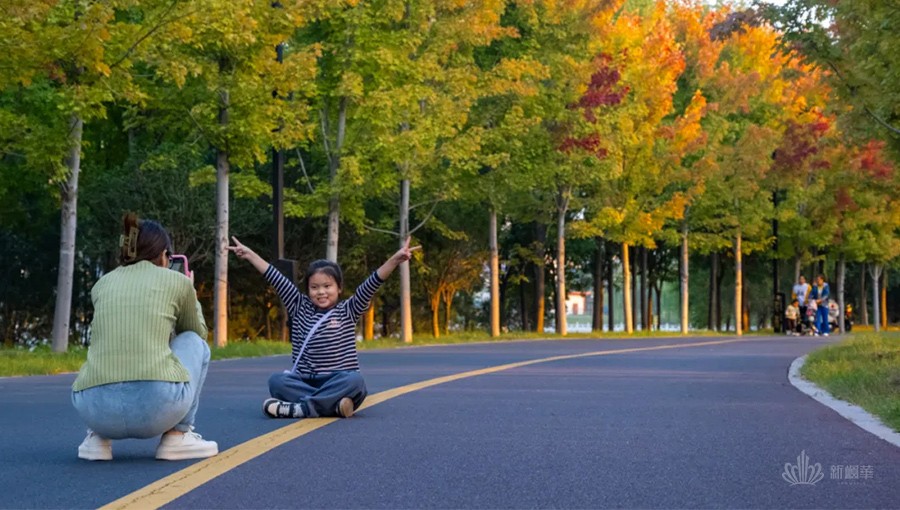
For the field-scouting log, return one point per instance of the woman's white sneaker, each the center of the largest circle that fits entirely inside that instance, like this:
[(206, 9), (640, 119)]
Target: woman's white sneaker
[(95, 447), (189, 445)]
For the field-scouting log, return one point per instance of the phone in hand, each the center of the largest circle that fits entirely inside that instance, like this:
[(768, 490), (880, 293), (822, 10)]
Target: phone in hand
[(179, 263)]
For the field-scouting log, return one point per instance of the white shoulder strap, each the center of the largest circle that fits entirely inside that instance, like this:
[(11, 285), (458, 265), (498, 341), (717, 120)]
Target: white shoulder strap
[(309, 335)]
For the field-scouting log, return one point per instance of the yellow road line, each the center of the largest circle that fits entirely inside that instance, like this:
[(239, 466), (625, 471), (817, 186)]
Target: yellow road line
[(168, 489)]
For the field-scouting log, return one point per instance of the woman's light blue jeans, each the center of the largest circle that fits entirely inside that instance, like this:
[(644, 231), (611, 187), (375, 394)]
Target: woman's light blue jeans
[(145, 409)]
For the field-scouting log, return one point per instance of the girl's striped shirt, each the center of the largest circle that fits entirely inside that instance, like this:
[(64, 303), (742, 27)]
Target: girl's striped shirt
[(333, 346)]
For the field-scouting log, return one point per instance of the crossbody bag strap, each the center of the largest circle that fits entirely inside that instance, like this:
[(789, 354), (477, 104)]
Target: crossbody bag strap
[(309, 335)]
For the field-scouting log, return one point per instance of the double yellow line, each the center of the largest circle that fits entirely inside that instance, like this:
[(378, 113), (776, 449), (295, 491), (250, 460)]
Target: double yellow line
[(177, 484)]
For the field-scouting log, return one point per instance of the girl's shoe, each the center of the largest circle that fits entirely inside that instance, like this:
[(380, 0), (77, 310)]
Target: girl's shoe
[(274, 408), (345, 408)]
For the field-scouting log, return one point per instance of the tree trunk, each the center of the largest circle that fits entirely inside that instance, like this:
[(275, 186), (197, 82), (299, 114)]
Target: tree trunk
[(635, 299), (495, 274), (406, 330), (334, 202), (645, 305), (369, 322), (561, 325), (435, 314), (738, 285), (884, 288), (448, 306), (611, 288), (659, 286), (842, 271), (626, 289), (540, 277), (597, 315), (745, 303), (68, 225), (797, 266), (875, 272), (712, 315), (523, 309), (220, 292), (863, 297), (685, 274)]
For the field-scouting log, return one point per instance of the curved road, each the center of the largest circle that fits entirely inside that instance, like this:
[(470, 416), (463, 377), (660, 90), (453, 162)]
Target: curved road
[(664, 423)]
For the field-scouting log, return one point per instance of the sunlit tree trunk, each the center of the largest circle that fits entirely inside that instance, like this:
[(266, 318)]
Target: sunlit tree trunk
[(406, 330), (738, 286), (495, 274), (540, 277), (875, 272), (626, 289), (68, 226), (220, 290), (685, 273)]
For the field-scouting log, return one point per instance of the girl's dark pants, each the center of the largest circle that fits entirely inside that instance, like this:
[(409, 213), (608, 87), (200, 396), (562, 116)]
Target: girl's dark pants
[(319, 394)]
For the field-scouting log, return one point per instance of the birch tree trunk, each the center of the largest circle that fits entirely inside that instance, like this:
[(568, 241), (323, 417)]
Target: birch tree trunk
[(406, 330), (611, 288), (68, 226), (875, 272), (540, 278), (626, 289), (597, 316), (644, 291), (561, 325), (863, 297), (738, 286), (884, 288), (685, 279), (842, 271), (220, 290), (334, 203), (495, 274)]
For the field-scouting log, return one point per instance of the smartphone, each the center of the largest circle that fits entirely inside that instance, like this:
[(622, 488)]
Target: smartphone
[(179, 263)]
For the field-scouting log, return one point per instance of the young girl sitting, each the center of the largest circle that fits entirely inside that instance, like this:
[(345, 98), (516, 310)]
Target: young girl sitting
[(325, 379)]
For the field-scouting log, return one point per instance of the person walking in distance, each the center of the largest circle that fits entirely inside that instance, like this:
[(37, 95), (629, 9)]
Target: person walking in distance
[(821, 293), (800, 291)]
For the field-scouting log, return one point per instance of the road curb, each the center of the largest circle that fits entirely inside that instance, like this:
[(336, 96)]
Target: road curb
[(857, 415)]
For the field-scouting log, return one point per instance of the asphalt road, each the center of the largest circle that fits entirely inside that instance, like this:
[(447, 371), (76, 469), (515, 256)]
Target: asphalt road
[(692, 427)]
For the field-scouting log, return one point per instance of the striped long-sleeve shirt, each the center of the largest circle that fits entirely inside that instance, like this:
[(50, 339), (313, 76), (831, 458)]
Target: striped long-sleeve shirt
[(333, 346)]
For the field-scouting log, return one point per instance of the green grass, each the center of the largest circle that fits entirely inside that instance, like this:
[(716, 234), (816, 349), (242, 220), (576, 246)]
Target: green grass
[(254, 349), (863, 369), (41, 361)]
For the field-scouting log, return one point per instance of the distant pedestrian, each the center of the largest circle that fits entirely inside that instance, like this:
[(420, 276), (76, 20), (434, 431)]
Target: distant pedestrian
[(139, 381), (325, 378), (792, 316), (821, 294), (800, 292)]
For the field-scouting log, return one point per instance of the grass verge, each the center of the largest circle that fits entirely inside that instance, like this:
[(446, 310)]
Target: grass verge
[(41, 361), (863, 369)]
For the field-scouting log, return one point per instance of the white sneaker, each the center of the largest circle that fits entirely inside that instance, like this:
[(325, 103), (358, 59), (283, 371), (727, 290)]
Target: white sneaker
[(189, 445), (95, 447)]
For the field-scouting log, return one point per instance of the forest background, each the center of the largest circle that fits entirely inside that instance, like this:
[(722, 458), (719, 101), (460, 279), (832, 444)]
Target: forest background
[(667, 157)]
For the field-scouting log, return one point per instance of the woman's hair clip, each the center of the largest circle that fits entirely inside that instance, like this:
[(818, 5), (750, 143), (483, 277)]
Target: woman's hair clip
[(129, 243)]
